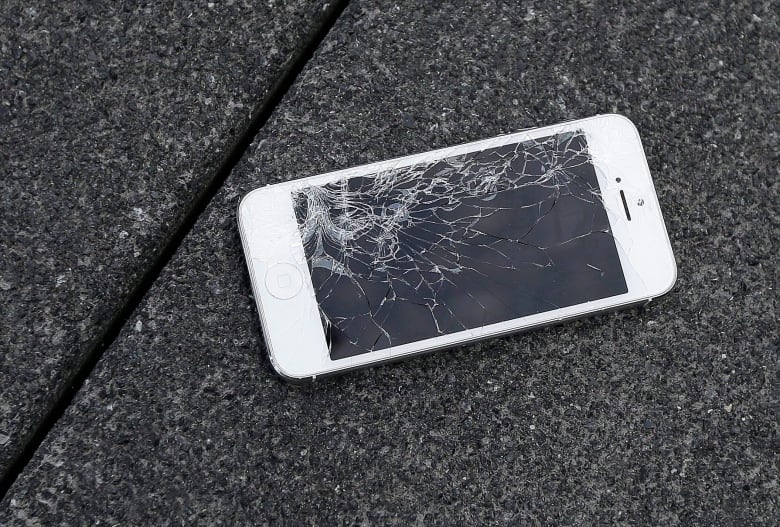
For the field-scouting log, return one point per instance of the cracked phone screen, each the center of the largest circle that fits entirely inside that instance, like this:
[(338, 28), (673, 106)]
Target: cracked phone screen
[(420, 251)]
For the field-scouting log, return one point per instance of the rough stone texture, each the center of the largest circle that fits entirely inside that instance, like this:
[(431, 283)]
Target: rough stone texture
[(661, 416), (113, 117)]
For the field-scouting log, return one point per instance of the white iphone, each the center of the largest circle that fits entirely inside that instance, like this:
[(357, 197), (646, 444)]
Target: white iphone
[(388, 260)]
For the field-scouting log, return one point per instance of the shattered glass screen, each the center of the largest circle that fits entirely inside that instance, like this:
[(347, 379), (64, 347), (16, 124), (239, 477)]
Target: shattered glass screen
[(425, 250)]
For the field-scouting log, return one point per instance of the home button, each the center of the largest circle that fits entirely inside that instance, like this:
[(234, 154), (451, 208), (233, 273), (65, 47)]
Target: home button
[(283, 281)]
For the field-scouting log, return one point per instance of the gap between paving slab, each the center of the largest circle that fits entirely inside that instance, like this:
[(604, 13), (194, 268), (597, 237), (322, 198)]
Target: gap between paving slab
[(293, 66)]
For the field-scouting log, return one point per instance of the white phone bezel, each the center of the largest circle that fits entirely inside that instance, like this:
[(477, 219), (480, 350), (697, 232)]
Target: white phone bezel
[(292, 326)]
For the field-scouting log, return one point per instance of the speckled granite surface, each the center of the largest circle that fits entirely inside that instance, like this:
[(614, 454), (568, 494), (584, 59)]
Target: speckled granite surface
[(660, 416), (113, 117)]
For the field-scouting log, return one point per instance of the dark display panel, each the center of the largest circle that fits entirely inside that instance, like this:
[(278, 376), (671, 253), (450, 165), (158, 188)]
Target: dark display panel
[(430, 249)]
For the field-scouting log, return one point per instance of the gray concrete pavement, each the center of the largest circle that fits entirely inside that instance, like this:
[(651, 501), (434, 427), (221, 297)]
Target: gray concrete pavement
[(664, 416), (113, 118)]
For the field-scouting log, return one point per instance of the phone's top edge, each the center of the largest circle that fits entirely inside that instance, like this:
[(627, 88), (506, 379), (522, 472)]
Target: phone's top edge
[(654, 195)]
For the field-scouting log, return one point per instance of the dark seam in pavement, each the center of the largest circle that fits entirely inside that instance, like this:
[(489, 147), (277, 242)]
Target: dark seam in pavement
[(235, 152)]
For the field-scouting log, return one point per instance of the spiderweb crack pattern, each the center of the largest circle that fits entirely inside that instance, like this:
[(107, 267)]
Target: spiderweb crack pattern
[(417, 251)]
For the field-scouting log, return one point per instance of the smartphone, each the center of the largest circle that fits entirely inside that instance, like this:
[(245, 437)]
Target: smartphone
[(392, 259)]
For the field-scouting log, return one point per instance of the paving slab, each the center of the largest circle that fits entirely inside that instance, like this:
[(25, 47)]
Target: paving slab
[(113, 118), (665, 415)]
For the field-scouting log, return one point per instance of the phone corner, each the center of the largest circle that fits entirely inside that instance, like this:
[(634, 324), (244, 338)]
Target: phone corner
[(289, 375), (245, 199), (673, 278), (668, 282), (619, 120)]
